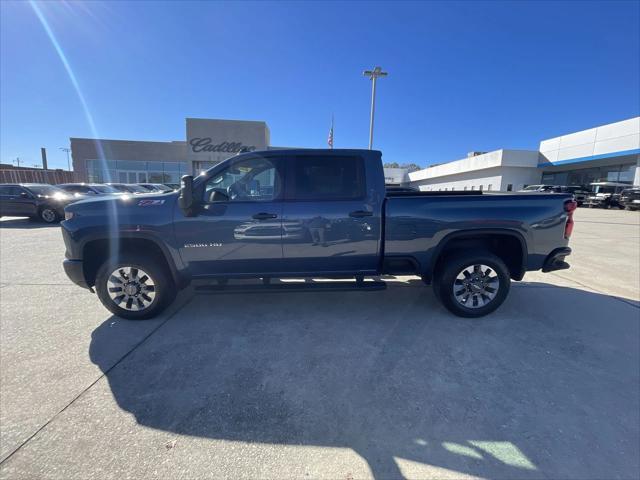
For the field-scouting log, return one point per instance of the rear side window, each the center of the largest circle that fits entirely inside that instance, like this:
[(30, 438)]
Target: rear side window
[(326, 178)]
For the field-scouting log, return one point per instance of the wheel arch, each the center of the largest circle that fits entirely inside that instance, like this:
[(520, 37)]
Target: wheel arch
[(507, 244), (96, 250)]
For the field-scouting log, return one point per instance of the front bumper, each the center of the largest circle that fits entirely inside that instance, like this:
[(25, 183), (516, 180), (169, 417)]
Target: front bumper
[(555, 260), (75, 271)]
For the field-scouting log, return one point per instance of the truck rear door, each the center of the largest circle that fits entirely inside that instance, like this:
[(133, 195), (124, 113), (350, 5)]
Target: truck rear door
[(330, 222)]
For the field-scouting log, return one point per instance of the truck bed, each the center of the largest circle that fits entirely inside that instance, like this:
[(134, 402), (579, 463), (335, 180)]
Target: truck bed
[(418, 224)]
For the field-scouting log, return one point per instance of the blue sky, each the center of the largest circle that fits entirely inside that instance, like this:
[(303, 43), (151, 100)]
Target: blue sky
[(462, 76)]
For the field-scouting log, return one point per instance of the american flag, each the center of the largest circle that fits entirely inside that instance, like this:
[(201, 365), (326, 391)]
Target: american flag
[(330, 138)]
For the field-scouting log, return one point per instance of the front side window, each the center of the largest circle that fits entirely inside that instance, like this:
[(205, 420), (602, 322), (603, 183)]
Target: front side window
[(327, 178), (244, 180)]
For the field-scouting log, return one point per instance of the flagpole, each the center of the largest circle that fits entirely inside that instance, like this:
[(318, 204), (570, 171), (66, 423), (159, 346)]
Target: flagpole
[(332, 133)]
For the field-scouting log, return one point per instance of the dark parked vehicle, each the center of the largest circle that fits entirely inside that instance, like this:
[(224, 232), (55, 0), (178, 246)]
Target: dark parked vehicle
[(128, 187), (34, 200), (630, 198), (311, 213), (579, 193), (85, 189), (155, 187)]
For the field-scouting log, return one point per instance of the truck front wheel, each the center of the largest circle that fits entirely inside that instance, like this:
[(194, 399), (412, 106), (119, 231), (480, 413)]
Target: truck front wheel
[(135, 287), (472, 285)]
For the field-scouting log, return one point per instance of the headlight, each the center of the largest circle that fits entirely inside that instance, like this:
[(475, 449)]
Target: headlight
[(69, 215)]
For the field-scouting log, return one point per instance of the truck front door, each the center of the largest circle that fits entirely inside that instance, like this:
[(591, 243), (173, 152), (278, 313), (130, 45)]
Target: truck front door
[(330, 222), (238, 226)]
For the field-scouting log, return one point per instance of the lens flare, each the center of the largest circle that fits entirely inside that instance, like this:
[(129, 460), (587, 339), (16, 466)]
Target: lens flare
[(112, 213)]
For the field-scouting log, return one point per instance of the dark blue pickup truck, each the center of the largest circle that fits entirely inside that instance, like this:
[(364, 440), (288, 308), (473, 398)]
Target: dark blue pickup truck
[(311, 213)]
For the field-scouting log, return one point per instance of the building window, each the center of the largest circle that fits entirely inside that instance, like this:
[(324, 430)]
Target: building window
[(510, 187), (132, 171)]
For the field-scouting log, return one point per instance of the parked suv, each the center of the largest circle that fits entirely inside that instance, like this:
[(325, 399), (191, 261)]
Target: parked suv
[(630, 198), (34, 200)]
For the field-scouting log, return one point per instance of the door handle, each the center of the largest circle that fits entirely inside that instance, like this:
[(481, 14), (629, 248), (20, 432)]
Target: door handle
[(264, 216), (360, 213)]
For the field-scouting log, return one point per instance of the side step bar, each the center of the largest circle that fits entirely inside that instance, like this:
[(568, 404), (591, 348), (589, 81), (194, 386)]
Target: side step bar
[(329, 286)]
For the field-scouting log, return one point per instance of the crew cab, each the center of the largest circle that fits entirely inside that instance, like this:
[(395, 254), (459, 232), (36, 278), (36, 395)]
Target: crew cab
[(311, 213)]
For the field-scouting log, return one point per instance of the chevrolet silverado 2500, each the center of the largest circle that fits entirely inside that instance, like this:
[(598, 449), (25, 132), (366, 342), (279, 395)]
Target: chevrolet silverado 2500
[(311, 213)]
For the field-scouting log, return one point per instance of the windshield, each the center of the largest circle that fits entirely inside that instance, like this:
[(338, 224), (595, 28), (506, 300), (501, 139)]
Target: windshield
[(105, 189), (45, 190), (531, 188)]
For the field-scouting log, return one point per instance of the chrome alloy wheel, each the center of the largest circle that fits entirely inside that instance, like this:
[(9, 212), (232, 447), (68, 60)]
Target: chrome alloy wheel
[(476, 286), (131, 288)]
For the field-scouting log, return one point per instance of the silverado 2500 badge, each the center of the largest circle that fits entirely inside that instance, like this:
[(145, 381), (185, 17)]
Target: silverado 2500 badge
[(202, 245)]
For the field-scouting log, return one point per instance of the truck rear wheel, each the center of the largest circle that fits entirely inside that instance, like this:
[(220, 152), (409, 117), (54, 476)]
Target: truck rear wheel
[(472, 284), (135, 287)]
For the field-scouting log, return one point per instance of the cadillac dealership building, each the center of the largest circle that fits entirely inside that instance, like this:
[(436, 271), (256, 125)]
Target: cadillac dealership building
[(609, 152), (131, 161)]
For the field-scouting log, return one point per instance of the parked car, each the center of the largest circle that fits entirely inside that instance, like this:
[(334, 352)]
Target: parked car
[(173, 186), (630, 198), (579, 193), (86, 189), (156, 187), (332, 217), (605, 195), (541, 188), (128, 187), (35, 200)]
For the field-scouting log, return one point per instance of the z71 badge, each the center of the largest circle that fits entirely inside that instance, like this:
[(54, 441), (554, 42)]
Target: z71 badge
[(150, 203)]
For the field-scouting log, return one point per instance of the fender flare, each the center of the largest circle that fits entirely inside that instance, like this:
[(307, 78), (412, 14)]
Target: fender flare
[(176, 270), (474, 233)]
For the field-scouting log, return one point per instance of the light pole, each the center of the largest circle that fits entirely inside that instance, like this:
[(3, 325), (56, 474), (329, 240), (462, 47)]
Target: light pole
[(373, 75), (67, 150)]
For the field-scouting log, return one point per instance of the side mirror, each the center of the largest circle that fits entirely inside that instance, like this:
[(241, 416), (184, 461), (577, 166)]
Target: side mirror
[(24, 195), (185, 200)]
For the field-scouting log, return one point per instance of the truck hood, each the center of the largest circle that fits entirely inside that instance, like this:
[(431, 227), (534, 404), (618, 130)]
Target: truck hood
[(122, 203)]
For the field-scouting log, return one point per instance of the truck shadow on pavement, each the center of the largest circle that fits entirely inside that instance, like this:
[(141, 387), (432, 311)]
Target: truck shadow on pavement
[(547, 387)]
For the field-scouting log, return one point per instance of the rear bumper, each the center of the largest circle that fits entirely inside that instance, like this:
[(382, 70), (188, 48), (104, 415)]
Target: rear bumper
[(555, 260), (75, 271)]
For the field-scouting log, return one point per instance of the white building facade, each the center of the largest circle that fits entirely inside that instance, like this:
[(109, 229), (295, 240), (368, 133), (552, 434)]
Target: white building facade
[(606, 153)]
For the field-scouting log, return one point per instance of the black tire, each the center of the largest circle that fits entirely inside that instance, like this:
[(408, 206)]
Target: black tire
[(453, 265), (164, 289), (48, 214)]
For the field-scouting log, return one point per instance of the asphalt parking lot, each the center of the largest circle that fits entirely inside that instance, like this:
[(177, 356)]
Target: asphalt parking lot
[(335, 385)]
